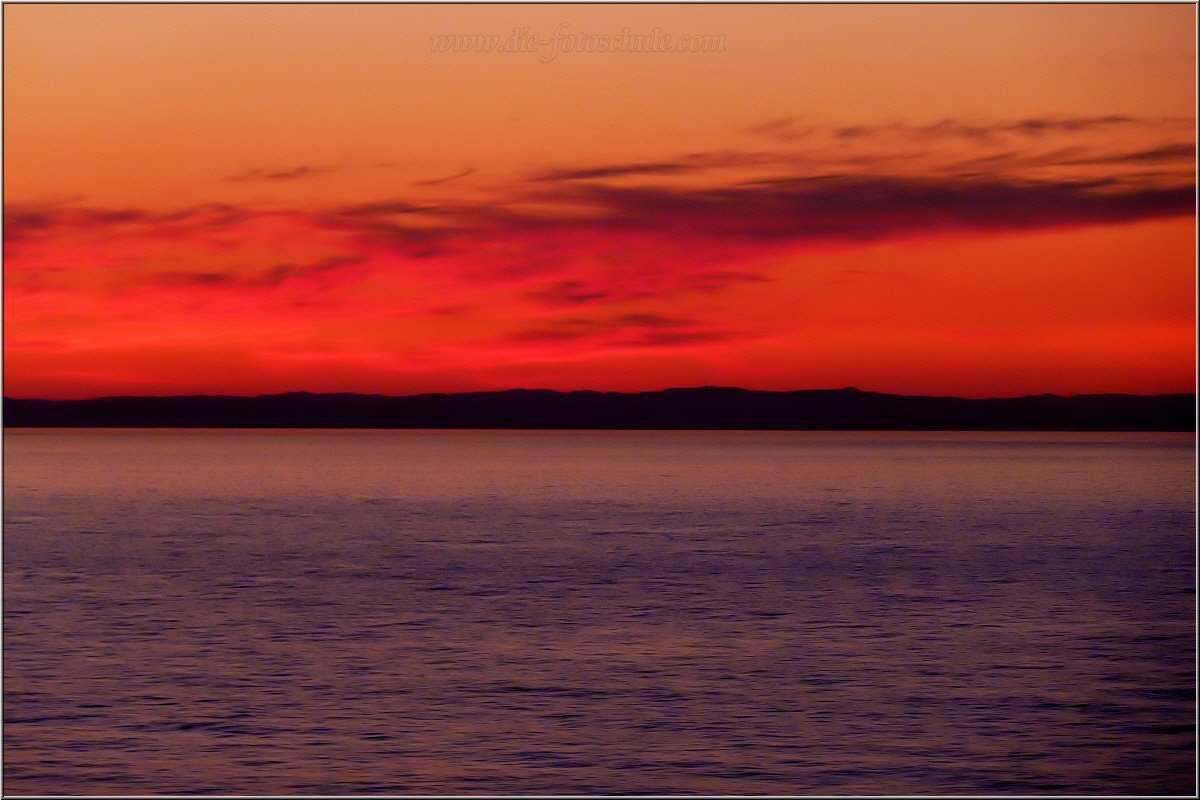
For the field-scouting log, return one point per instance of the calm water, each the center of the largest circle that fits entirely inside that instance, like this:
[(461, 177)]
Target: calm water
[(599, 612)]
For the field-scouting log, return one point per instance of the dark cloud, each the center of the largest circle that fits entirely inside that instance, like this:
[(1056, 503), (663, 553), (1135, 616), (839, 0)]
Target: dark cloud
[(1166, 152), (98, 217), (566, 293), (386, 207), (549, 335), (411, 242), (30, 219), (692, 162), (281, 273), (616, 171), (678, 338), (625, 330), (1038, 125), (447, 179), (790, 128), (1178, 160), (21, 224), (287, 174), (24, 224), (1032, 126), (876, 198), (646, 281), (574, 238), (173, 278), (433, 233), (272, 276), (652, 321), (850, 207)]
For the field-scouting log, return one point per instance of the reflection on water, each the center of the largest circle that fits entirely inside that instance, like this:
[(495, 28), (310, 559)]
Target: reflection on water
[(362, 612)]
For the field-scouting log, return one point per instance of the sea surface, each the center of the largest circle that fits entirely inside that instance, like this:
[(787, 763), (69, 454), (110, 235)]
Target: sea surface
[(559, 612)]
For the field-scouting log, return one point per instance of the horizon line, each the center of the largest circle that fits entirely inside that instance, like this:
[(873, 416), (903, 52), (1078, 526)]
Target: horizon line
[(706, 387)]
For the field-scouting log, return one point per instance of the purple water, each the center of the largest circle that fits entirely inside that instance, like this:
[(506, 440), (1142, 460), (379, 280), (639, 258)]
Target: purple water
[(488, 612)]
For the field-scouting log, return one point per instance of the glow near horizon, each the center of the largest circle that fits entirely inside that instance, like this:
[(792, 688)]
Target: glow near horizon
[(978, 201)]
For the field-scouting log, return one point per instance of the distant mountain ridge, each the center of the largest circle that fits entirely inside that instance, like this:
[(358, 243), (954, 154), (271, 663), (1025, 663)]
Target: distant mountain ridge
[(704, 408)]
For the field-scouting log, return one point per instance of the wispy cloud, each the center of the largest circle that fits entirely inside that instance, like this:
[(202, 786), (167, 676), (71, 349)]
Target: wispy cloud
[(570, 292), (1174, 151), (796, 128), (690, 163), (284, 174), (447, 179), (631, 330), (617, 171), (272, 275), (588, 240), (385, 207)]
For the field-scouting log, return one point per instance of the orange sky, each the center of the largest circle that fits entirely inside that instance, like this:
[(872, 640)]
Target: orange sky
[(970, 200)]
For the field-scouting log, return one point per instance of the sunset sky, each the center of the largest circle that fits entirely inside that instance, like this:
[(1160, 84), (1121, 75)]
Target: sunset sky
[(966, 200)]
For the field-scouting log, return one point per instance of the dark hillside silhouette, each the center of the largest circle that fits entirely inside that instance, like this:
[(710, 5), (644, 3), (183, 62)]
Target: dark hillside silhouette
[(697, 409)]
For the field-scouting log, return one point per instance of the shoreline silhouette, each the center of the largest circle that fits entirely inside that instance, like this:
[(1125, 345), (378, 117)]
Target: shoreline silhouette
[(703, 408)]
